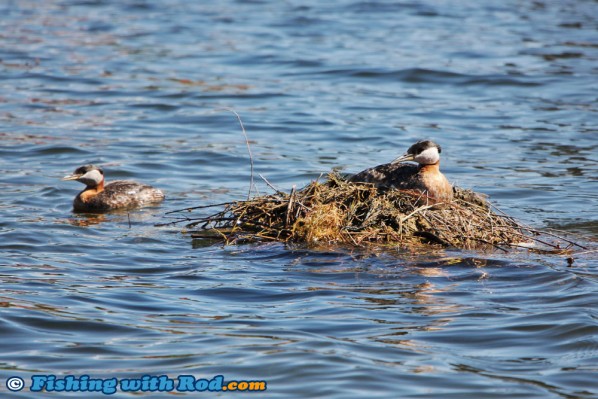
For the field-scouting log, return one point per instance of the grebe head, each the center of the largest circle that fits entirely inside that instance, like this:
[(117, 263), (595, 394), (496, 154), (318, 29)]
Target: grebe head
[(425, 152), (90, 175)]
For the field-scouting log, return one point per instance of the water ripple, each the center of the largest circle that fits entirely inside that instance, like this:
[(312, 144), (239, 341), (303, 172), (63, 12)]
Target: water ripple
[(436, 77)]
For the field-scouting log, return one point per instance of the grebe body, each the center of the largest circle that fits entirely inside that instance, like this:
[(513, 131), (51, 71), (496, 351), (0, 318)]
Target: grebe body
[(424, 177), (119, 194)]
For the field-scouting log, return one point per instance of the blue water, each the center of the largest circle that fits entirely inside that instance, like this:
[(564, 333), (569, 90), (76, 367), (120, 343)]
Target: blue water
[(509, 90)]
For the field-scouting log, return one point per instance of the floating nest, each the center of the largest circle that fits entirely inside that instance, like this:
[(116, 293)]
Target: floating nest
[(337, 211)]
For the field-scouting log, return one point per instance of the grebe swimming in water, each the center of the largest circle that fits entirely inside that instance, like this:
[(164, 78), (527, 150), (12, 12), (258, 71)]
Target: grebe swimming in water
[(424, 177), (115, 195)]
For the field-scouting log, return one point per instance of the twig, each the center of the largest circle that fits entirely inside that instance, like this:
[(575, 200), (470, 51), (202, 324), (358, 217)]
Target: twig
[(570, 233), (251, 183), (586, 252), (290, 207), (421, 208), (177, 221), (270, 185), (197, 207), (532, 230)]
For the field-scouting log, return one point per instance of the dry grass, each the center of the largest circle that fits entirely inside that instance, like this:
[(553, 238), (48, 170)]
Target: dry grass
[(339, 212)]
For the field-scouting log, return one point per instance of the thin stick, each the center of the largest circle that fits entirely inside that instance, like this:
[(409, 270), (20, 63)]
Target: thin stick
[(197, 207), (570, 233), (586, 252), (421, 208), (270, 185), (539, 232), (171, 223), (532, 230), (290, 207), (251, 183)]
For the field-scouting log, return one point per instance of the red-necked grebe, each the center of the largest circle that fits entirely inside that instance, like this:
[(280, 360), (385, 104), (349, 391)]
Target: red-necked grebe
[(115, 195), (424, 177)]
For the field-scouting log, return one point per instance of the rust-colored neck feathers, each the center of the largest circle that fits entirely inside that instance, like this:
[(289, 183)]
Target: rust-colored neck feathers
[(91, 191), (433, 168), (437, 186)]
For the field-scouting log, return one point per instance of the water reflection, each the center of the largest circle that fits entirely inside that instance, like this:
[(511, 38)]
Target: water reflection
[(87, 220)]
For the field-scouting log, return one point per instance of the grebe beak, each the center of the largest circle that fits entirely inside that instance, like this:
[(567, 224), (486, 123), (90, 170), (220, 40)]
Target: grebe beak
[(71, 177), (403, 158)]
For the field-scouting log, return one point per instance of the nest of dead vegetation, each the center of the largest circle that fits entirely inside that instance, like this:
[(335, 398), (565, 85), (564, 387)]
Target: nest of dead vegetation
[(340, 212)]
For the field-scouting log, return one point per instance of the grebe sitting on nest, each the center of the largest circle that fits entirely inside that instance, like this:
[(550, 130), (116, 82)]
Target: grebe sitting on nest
[(424, 177), (115, 195)]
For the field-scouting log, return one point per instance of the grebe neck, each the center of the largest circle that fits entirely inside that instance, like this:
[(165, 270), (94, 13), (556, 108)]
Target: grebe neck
[(98, 188)]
